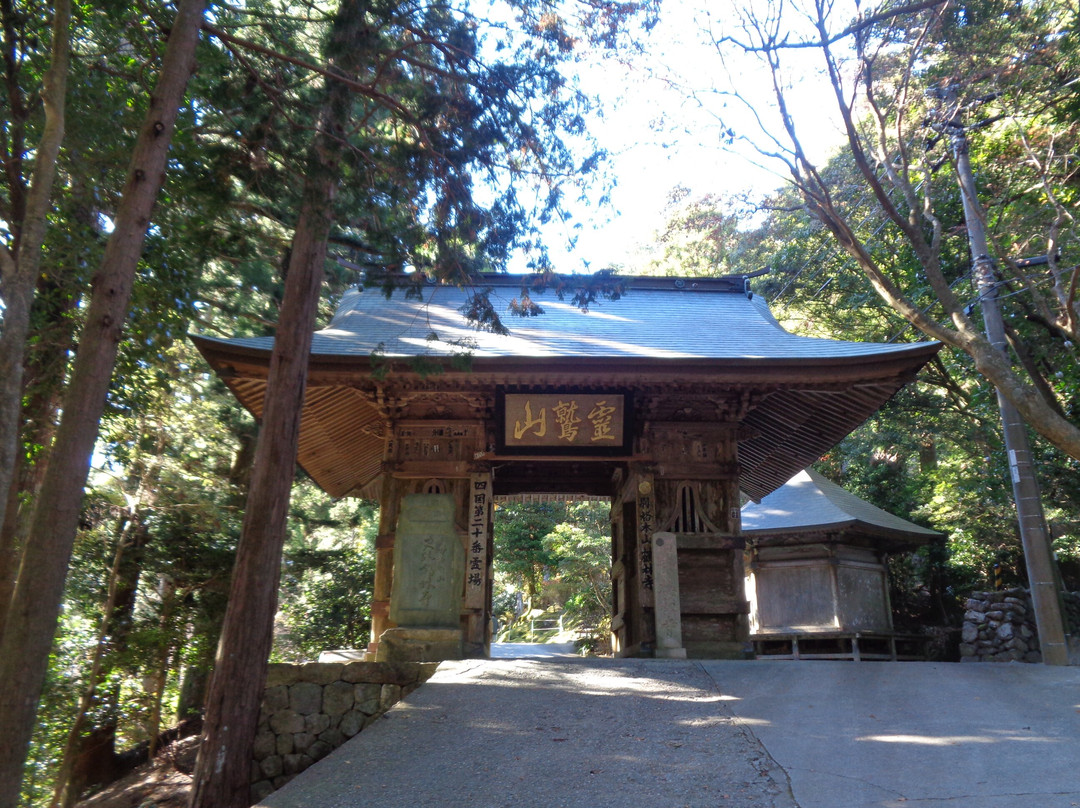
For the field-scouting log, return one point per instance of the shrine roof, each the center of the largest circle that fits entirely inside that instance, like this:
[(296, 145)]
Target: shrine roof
[(657, 318), (810, 503), (681, 338)]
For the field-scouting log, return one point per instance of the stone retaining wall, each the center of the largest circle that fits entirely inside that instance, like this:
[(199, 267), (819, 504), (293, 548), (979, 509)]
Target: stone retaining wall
[(1000, 626), (310, 710)]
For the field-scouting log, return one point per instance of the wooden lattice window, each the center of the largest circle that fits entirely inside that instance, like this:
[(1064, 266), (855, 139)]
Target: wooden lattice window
[(688, 515)]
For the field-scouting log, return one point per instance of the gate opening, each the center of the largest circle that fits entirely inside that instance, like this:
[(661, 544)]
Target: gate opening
[(552, 575)]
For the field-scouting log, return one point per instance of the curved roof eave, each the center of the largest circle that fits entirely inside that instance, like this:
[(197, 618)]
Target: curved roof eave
[(258, 351)]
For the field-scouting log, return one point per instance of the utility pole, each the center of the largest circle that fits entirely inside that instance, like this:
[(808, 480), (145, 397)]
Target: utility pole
[(1033, 532)]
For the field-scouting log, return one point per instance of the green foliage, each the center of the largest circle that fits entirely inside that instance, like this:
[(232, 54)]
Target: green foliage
[(465, 135), (582, 545), (59, 702), (701, 237), (328, 576), (452, 114), (934, 453), (173, 484), (520, 551), (555, 557)]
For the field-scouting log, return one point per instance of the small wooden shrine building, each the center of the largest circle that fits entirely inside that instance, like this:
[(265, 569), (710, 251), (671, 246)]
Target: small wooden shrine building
[(816, 576), (669, 401)]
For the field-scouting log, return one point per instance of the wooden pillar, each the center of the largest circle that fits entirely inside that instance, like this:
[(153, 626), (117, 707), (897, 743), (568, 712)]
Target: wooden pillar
[(697, 500), (633, 522), (389, 504), (626, 611), (618, 578), (733, 527), (645, 525)]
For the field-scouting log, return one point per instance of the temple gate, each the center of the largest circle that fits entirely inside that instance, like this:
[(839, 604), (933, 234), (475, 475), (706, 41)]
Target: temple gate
[(669, 401)]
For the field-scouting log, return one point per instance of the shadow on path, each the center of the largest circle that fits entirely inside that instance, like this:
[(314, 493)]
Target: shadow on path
[(566, 731), (550, 732)]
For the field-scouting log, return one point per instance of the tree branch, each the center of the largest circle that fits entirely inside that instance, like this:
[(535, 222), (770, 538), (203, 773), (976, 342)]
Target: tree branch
[(856, 27), (366, 90)]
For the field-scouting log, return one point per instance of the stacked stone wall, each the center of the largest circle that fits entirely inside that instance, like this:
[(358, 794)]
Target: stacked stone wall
[(1000, 626), (309, 710)]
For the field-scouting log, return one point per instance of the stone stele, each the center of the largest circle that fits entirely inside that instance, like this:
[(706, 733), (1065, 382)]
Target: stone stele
[(429, 564), (668, 606)]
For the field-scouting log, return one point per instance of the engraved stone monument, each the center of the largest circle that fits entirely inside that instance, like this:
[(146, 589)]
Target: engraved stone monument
[(429, 576), (668, 604)]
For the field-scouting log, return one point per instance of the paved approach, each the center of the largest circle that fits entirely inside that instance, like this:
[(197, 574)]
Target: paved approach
[(594, 733)]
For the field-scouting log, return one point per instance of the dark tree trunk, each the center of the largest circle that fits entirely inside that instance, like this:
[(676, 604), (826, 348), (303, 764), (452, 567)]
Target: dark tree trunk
[(160, 673), (10, 546), (232, 710), (29, 219), (35, 604), (43, 379), (193, 684)]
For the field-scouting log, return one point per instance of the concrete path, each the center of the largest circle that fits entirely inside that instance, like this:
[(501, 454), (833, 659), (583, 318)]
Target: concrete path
[(901, 735), (528, 733), (659, 733)]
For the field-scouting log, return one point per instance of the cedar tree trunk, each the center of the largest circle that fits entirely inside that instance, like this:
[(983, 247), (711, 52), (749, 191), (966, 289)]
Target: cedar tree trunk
[(19, 271), (35, 604), (223, 772)]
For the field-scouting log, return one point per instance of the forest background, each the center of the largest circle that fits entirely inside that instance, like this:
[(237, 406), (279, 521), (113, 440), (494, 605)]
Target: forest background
[(467, 134)]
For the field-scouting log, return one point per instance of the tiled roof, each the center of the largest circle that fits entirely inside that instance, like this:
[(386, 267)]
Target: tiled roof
[(698, 337), (655, 320), (809, 502)]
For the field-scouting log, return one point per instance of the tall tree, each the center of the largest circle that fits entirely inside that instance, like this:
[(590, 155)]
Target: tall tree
[(881, 66), (520, 547), (221, 775), (699, 236), (25, 219), (114, 627), (31, 621)]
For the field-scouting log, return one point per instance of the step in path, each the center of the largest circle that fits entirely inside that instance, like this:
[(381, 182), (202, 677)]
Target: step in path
[(517, 650), (656, 733)]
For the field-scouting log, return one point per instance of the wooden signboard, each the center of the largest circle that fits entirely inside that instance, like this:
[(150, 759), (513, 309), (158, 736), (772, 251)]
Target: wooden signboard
[(479, 521), (543, 422)]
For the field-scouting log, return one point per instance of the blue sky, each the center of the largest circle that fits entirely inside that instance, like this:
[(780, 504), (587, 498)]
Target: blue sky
[(661, 125)]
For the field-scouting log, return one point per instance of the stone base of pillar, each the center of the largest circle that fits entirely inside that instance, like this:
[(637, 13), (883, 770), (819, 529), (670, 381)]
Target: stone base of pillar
[(720, 650), (420, 645), (670, 653)]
